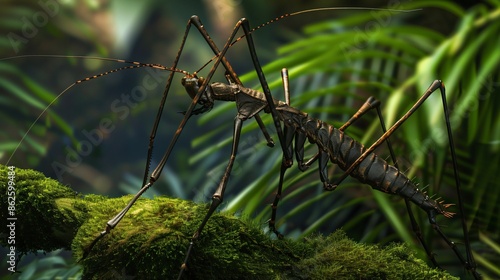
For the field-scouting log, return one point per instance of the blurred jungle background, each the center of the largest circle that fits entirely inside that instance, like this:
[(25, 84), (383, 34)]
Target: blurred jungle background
[(94, 138)]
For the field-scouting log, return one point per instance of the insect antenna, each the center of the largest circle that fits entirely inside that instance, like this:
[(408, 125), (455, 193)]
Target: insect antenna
[(287, 15), (134, 65)]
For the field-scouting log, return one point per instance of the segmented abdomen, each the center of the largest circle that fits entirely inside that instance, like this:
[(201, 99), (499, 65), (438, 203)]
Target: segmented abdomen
[(374, 171)]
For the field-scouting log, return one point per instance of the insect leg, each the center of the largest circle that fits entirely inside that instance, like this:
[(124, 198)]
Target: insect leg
[(231, 75), (285, 140), (270, 142), (267, 91), (300, 138), (373, 103), (289, 133), (469, 263), (218, 196), (162, 103), (369, 104), (157, 171), (414, 225), (433, 87), (194, 20)]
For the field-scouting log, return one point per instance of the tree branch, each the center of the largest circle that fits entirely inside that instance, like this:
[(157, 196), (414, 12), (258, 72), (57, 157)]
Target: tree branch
[(151, 240)]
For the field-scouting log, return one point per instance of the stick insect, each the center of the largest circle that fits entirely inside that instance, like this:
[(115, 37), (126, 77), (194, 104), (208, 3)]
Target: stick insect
[(333, 144)]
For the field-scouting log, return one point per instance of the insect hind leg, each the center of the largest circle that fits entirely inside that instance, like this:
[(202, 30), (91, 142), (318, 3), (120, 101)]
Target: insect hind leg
[(372, 103), (469, 263)]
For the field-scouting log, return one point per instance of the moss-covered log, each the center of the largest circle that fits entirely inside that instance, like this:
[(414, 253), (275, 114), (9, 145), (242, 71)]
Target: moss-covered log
[(150, 241)]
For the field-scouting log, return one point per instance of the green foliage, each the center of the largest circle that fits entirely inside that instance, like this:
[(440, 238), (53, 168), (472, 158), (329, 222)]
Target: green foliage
[(23, 93), (46, 265)]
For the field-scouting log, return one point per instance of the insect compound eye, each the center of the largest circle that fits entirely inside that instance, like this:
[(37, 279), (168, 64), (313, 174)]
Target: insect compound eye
[(201, 80)]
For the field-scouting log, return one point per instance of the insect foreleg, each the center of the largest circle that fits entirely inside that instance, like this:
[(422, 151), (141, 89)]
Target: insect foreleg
[(160, 108), (231, 75), (157, 171)]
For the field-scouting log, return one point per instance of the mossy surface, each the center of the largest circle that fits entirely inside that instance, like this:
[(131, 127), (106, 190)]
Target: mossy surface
[(151, 240), (41, 223)]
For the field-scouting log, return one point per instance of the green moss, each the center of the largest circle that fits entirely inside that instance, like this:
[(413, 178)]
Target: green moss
[(151, 240), (345, 259), (41, 224)]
